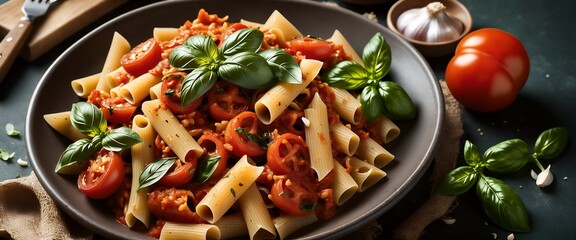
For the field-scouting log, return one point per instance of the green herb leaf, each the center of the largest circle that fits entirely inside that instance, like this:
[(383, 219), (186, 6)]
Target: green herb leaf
[(11, 131), (471, 154), (507, 157), (248, 70), (347, 75), (5, 155), (206, 169), (77, 153), (377, 57), (88, 119), (283, 65), (308, 205), (199, 50), (233, 192), (119, 139), (262, 142), (397, 104), (197, 83), (371, 103), (458, 181), (502, 204), (244, 40), (153, 172), (551, 143)]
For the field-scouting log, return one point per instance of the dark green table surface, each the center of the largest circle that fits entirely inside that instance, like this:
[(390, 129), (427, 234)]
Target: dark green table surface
[(546, 28)]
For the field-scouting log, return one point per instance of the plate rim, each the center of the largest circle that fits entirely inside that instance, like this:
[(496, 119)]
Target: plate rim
[(397, 195)]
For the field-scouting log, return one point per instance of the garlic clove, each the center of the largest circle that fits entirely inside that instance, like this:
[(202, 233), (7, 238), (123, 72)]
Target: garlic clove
[(545, 178), (429, 24), (533, 174)]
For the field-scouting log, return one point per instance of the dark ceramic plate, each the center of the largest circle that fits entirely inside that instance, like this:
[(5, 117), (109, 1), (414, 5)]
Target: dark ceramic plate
[(414, 150)]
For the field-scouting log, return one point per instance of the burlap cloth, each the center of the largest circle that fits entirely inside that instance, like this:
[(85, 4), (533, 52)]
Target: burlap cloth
[(28, 212)]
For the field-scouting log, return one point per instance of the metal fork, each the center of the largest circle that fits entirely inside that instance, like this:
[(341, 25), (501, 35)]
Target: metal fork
[(15, 39)]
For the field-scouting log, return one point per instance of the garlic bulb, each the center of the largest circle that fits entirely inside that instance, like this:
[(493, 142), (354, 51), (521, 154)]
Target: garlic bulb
[(429, 24)]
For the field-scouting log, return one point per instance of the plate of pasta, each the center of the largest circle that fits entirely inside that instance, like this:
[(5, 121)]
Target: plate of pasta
[(214, 119)]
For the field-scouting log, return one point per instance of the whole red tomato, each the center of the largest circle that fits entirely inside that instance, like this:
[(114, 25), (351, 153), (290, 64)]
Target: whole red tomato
[(488, 70)]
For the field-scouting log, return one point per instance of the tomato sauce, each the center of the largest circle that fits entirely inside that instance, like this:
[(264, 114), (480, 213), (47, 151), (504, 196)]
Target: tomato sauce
[(177, 203)]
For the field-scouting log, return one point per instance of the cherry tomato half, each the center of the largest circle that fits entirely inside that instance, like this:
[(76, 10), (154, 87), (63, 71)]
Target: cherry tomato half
[(117, 110), (312, 48), (293, 196), (489, 68), (288, 154), (173, 204), (180, 174), (241, 144), (142, 58), (171, 88), (225, 101), (104, 175), (214, 146)]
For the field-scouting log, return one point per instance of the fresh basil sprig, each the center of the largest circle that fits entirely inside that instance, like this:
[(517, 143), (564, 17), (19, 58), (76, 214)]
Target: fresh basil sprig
[(499, 201), (551, 143), (502, 204), (89, 120), (206, 168), (236, 61), (154, 171), (378, 96)]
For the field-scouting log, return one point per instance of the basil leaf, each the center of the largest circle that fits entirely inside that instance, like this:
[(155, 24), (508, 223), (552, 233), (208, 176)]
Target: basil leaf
[(551, 143), (507, 157), (458, 181), (248, 70), (88, 119), (471, 154), (347, 75), (119, 139), (283, 65), (262, 142), (397, 103), (371, 103), (206, 169), (199, 50), (77, 153), (153, 172), (244, 40), (502, 204), (197, 83), (377, 57)]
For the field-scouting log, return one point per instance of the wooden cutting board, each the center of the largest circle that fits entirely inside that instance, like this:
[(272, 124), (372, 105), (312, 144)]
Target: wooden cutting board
[(61, 21)]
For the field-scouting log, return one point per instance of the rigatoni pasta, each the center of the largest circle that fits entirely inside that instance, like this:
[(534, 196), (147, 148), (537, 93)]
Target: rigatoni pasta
[(318, 138), (167, 126), (83, 86), (256, 215), (181, 231), (142, 155), (373, 153), (118, 47), (228, 190), (191, 174), (344, 186), (277, 99), (365, 174)]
